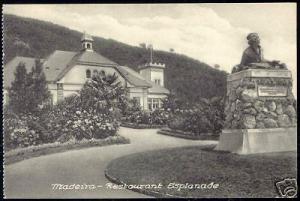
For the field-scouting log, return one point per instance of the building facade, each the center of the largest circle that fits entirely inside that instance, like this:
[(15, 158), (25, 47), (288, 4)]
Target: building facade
[(66, 72)]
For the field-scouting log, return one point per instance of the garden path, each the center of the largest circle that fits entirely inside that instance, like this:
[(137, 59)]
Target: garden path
[(32, 178)]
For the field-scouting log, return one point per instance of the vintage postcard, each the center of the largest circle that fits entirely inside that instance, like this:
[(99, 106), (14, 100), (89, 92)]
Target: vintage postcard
[(193, 100)]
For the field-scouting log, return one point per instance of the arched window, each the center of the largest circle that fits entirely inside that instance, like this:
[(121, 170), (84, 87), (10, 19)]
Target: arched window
[(102, 72), (95, 72), (88, 73), (88, 46)]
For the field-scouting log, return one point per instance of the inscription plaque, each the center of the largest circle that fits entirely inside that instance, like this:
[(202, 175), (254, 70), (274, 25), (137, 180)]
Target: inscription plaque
[(272, 91)]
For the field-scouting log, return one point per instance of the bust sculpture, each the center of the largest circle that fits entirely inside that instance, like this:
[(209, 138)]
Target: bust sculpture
[(253, 57)]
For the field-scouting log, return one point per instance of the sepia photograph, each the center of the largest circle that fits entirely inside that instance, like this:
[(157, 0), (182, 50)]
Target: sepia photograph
[(178, 100)]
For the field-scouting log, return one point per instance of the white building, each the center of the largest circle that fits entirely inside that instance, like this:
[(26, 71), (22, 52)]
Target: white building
[(66, 72)]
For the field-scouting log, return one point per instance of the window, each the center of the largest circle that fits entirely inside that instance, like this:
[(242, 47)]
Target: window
[(137, 100), (88, 73), (88, 46), (102, 73), (95, 72), (157, 81), (49, 101), (153, 103), (60, 86)]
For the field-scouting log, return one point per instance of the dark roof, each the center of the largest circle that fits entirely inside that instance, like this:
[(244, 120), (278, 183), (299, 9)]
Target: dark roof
[(133, 77), (10, 68), (85, 58), (137, 80), (91, 57), (60, 62), (56, 63)]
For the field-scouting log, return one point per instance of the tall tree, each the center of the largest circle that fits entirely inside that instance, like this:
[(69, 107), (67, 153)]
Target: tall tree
[(18, 100), (103, 91), (37, 87)]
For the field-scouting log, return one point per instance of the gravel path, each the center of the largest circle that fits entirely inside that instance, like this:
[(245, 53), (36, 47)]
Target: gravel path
[(33, 178)]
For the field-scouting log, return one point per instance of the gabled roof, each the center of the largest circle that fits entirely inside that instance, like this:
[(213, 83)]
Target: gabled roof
[(10, 68), (60, 62), (85, 58), (137, 80), (56, 63), (132, 77), (91, 57)]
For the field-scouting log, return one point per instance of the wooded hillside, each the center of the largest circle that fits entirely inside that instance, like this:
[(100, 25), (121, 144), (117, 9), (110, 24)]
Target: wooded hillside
[(187, 78)]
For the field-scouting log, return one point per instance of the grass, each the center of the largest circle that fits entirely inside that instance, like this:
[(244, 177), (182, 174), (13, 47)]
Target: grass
[(237, 175), (20, 154)]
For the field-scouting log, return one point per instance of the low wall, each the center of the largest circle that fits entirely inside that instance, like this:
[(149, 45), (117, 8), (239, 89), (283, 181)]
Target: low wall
[(140, 126), (188, 135)]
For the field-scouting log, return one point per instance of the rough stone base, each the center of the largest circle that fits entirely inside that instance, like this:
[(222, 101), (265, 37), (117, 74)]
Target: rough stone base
[(251, 141)]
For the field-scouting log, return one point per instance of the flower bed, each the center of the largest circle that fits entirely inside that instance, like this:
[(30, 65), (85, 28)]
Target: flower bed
[(19, 154), (188, 135), (205, 117)]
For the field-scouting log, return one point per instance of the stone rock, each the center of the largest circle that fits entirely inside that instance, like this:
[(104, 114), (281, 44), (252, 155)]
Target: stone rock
[(260, 117), (227, 124), (232, 96), (259, 105), (270, 123), (229, 118), (249, 95), (284, 120), (290, 111), (265, 110), (247, 105), (235, 124), (228, 92), (294, 122), (249, 121), (260, 125), (238, 91), (271, 105), (272, 115), (227, 108), (232, 108), (279, 109), (250, 111), (290, 95), (238, 105)]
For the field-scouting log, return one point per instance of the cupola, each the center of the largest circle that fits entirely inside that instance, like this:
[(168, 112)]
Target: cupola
[(87, 42)]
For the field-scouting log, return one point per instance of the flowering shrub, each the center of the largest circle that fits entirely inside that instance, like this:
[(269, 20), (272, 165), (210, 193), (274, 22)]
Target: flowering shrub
[(17, 131), (157, 117), (206, 117), (93, 114)]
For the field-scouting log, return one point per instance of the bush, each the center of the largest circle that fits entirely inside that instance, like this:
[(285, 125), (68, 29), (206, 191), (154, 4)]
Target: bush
[(157, 117), (94, 114), (205, 117), (18, 132)]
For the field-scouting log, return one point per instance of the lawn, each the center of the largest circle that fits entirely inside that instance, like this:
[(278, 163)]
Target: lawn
[(236, 175)]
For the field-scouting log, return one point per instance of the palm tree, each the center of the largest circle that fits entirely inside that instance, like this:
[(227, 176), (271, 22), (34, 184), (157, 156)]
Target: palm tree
[(103, 92)]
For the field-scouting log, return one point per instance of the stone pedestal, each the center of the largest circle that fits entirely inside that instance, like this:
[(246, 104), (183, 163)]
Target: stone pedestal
[(251, 141), (260, 112)]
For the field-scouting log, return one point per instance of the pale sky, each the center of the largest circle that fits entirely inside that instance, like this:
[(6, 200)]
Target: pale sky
[(211, 33)]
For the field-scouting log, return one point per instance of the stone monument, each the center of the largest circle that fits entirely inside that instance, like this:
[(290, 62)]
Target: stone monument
[(260, 109)]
